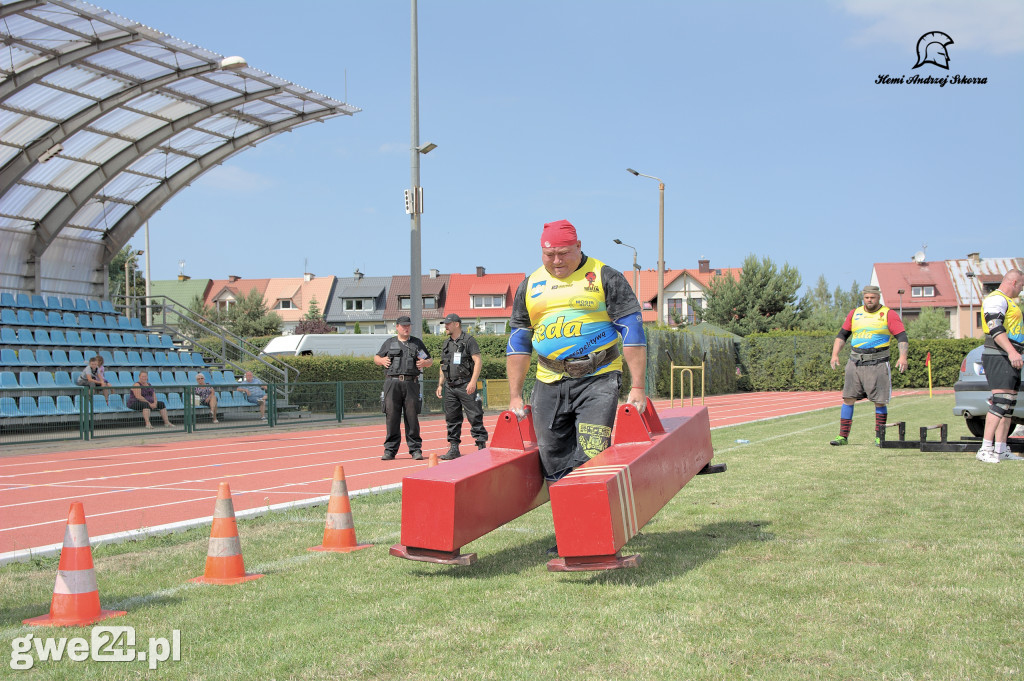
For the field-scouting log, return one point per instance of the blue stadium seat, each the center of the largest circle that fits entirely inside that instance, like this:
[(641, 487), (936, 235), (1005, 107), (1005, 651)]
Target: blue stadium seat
[(28, 359), (121, 359), (76, 359), (8, 336), (102, 340), (154, 378), (88, 339), (155, 342), (53, 318), (42, 337), (8, 408), (27, 381), (57, 338), (107, 307), (27, 406), (25, 337), (24, 300), (85, 321), (70, 320), (108, 359), (81, 305), (63, 379), (159, 359), (67, 304), (94, 306), (229, 376), (184, 359), (53, 302), (43, 358), (216, 377), (7, 300), (174, 402), (38, 302), (9, 358), (46, 380), (8, 316), (115, 403), (161, 397), (129, 340), (147, 359), (24, 318), (134, 359), (225, 399), (181, 378), (209, 378), (39, 318), (65, 405), (99, 405), (173, 360), (197, 360), (136, 324), (60, 358), (46, 406), (110, 323), (8, 380), (165, 342), (126, 378), (72, 338), (115, 340), (124, 323), (191, 376), (166, 378)]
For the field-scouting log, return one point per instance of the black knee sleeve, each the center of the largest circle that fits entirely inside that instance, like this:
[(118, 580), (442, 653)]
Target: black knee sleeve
[(1002, 404)]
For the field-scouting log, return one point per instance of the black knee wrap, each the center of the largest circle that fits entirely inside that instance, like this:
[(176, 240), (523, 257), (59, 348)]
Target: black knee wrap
[(1002, 404)]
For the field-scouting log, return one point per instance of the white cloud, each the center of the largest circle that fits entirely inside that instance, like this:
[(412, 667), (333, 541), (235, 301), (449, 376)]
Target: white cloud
[(995, 26), (227, 178)]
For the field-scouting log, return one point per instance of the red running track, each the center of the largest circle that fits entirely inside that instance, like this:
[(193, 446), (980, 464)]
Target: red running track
[(125, 489)]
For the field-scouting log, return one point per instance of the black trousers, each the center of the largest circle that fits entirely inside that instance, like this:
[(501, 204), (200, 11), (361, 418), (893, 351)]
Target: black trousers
[(457, 401), (402, 402)]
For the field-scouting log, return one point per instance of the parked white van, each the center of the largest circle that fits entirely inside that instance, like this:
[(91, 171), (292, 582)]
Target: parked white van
[(358, 345)]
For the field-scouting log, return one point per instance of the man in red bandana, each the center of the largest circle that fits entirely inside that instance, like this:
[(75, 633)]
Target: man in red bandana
[(574, 310)]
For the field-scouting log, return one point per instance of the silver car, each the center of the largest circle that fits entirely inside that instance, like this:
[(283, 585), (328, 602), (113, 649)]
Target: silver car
[(971, 395)]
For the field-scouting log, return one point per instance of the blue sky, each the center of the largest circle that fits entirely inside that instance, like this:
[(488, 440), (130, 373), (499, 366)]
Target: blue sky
[(763, 118)]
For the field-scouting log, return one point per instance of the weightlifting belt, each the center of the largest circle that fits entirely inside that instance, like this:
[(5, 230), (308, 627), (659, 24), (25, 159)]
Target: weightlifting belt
[(577, 367), (870, 357)]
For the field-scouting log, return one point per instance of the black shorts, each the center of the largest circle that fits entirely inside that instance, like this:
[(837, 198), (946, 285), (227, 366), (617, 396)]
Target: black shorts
[(999, 373), (142, 406)]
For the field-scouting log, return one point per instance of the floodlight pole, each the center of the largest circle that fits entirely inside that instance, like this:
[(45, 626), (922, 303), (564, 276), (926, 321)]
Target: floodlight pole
[(149, 308), (415, 256), (661, 243)]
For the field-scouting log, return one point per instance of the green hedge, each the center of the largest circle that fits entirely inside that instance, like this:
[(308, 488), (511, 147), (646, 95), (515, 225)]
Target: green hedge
[(791, 360)]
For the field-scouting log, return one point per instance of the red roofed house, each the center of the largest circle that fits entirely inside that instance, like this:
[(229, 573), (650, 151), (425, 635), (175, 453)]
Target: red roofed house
[(909, 286), (289, 298), (223, 293), (484, 301), (433, 291), (974, 278), (684, 290)]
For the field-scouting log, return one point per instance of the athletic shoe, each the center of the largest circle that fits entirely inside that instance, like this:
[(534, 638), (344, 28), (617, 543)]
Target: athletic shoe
[(1009, 456), (878, 442), (987, 455), (839, 441)]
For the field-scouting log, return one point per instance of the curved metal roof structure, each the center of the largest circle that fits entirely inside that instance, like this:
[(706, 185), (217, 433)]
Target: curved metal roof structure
[(102, 121)]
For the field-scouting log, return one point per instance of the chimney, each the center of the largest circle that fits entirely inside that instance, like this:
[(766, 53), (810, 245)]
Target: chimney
[(703, 266), (309, 276), (183, 277), (479, 271), (357, 274), (232, 278), (974, 259), (434, 273)]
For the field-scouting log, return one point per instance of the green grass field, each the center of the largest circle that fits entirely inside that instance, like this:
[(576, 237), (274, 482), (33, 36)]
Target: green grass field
[(803, 561)]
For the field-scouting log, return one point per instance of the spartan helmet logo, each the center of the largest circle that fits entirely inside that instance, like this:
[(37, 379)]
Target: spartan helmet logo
[(931, 49)]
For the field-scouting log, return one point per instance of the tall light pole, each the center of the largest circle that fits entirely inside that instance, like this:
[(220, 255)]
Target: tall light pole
[(636, 268), (901, 292), (661, 243), (415, 264), (149, 307), (970, 290)]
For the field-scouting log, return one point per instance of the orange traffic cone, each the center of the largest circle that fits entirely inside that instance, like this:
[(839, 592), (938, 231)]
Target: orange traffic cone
[(76, 598), (224, 563), (340, 532), (432, 461)]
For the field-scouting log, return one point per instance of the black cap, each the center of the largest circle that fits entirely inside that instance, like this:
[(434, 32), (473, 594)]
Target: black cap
[(404, 319), (452, 317)]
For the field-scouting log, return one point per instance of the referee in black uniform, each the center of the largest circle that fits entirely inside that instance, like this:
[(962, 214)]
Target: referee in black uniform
[(460, 370), (402, 356)]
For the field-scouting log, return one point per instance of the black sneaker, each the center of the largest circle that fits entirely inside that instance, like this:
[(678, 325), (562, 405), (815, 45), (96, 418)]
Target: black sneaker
[(452, 453), (388, 456), (481, 444), (417, 456)]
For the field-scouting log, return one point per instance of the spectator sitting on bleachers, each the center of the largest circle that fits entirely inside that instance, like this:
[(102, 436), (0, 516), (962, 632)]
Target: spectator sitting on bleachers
[(92, 375), (207, 396), (143, 398), (255, 393)]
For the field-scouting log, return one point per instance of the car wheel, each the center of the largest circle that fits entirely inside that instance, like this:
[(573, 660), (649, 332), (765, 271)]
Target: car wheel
[(976, 424)]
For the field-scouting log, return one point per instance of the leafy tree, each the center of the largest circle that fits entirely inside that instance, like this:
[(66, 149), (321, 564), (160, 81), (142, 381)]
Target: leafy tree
[(357, 328), (116, 273), (764, 298), (826, 310), (931, 323), (249, 317), (199, 307), (313, 311)]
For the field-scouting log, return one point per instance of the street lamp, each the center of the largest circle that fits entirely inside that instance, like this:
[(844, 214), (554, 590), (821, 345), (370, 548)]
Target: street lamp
[(901, 292), (636, 268), (970, 290), (661, 243)]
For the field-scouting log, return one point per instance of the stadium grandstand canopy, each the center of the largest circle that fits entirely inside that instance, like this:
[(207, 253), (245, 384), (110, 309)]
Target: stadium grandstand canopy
[(102, 121)]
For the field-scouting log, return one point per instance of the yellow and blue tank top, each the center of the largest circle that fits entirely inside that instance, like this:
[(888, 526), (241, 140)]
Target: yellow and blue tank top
[(1013, 323), (570, 318), (870, 329)]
